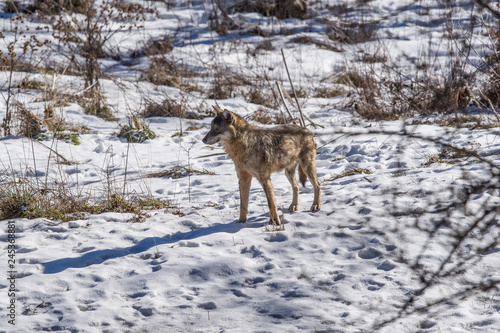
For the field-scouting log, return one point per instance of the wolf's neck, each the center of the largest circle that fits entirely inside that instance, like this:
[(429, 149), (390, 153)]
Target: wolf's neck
[(237, 146)]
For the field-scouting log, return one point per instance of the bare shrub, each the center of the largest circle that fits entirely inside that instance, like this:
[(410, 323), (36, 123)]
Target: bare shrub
[(366, 95), (178, 172), (492, 89), (266, 8), (12, 6), (225, 84), (282, 9), (262, 96), (13, 61), (458, 224), (390, 99), (88, 34), (356, 79)]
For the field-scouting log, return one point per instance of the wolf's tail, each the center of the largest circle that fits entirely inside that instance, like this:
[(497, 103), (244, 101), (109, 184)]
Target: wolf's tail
[(302, 176)]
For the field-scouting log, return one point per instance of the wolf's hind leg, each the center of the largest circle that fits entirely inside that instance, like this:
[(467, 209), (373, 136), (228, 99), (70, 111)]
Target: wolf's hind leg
[(309, 167), (290, 174)]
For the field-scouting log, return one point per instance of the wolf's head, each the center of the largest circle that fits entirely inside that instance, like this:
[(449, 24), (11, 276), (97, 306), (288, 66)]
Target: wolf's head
[(219, 128)]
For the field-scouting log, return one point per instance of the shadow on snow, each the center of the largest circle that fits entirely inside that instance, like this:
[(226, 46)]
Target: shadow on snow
[(100, 256)]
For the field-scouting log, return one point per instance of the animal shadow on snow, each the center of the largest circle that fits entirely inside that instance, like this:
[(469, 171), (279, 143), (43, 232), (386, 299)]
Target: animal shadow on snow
[(100, 256)]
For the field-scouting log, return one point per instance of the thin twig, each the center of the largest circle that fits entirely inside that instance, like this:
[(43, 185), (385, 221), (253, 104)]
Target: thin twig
[(482, 4), (302, 121), (295, 106), (88, 88), (216, 154), (126, 167), (486, 98), (283, 100), (65, 160)]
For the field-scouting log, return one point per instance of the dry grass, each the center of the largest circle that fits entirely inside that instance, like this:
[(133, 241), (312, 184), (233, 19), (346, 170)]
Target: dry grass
[(178, 172), (226, 84), (161, 45), (94, 103), (167, 108), (460, 121), (366, 94), (328, 92), (492, 87), (27, 196), (450, 155), (164, 71), (51, 126), (351, 171), (262, 96), (267, 117), (30, 202)]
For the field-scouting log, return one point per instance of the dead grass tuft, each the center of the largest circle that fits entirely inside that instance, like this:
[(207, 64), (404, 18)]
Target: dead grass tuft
[(351, 171), (261, 96), (178, 172), (161, 45), (25, 196), (267, 117), (167, 108), (51, 126), (449, 155), (164, 71)]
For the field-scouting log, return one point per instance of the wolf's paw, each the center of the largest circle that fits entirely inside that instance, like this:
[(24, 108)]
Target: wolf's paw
[(315, 207), (275, 222), (293, 208)]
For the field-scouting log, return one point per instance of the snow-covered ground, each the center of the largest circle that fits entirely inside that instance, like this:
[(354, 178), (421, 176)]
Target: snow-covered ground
[(193, 268)]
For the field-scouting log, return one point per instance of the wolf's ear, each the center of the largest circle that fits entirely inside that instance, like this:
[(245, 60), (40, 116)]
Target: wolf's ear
[(217, 109), (228, 116)]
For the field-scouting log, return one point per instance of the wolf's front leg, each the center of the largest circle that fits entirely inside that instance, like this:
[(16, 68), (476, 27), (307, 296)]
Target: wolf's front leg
[(245, 180)]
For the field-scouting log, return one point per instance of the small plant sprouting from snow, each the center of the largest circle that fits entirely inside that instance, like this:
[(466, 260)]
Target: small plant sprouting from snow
[(136, 131)]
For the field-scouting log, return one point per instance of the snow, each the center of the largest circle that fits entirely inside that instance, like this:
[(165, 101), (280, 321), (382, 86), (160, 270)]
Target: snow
[(336, 270)]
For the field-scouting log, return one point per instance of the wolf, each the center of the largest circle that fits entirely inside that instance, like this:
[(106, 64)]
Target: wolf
[(258, 152)]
